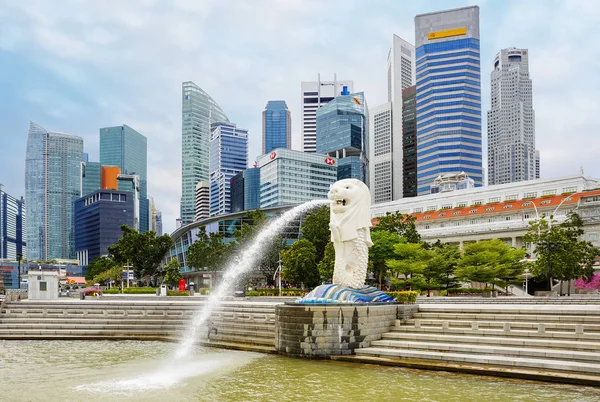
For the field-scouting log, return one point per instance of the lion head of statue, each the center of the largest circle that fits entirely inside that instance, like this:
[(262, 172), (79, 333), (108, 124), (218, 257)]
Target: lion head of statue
[(350, 204)]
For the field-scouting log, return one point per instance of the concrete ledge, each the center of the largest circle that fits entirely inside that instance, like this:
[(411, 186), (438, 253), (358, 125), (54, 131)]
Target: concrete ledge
[(322, 330)]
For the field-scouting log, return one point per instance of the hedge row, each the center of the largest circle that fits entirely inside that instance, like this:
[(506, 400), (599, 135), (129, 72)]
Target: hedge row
[(139, 291), (404, 296), (275, 292), (178, 293)]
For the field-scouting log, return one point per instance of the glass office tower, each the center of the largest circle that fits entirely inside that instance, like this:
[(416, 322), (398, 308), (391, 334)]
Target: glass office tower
[(228, 157), (277, 126), (52, 184), (342, 132), (448, 96), (125, 148), (199, 110), (12, 221)]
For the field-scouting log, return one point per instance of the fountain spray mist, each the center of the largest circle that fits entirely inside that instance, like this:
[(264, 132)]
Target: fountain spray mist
[(237, 267)]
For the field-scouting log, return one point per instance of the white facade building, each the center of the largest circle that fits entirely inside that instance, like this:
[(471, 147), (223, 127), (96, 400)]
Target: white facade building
[(401, 75), (511, 120), (314, 95), (380, 159), (202, 200), (501, 211)]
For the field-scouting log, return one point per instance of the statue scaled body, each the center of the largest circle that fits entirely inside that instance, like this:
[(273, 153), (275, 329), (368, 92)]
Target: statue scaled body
[(349, 224)]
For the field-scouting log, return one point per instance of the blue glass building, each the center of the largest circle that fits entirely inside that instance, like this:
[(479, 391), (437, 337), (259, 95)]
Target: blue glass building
[(97, 222), (228, 157), (124, 147), (12, 217), (52, 184), (448, 99), (277, 126), (342, 132), (91, 175), (245, 190)]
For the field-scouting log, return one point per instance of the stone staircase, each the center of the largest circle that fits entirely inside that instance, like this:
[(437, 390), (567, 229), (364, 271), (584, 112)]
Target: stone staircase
[(239, 325), (537, 341)]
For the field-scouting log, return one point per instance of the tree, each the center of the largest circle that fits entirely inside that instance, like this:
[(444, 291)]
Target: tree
[(402, 224), (299, 263), (172, 274), (410, 259), (144, 251), (113, 274), (327, 264), (99, 265), (559, 252), (491, 262), (382, 251), (315, 228), (269, 263), (208, 252), (445, 258), (255, 221)]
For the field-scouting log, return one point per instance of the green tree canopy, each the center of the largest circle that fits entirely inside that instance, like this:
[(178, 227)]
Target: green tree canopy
[(327, 264), (269, 262), (144, 251), (410, 259), (172, 274), (99, 265), (402, 224), (315, 228), (382, 251), (114, 274), (299, 263), (208, 252), (444, 262)]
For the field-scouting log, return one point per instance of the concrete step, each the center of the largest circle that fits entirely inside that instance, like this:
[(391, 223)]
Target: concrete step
[(543, 353), (547, 318), (496, 332), (488, 359), (549, 343), (514, 325), (553, 310)]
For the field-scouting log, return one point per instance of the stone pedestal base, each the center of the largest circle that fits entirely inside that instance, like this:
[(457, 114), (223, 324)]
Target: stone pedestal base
[(321, 330)]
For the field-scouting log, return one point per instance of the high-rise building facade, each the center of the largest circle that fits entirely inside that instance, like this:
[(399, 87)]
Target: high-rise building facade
[(382, 179), (511, 120), (199, 111), (228, 157), (97, 222), (293, 177), (91, 177), (409, 142), (52, 184), (401, 75), (277, 126), (202, 200), (245, 190), (127, 149), (448, 81), (314, 95), (158, 223), (13, 238), (342, 132)]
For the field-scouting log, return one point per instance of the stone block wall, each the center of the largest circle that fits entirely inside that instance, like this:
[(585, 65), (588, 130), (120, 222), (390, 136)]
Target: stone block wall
[(321, 330)]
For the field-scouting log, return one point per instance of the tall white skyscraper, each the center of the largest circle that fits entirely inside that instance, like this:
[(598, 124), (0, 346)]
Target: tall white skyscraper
[(511, 120), (314, 95), (386, 124)]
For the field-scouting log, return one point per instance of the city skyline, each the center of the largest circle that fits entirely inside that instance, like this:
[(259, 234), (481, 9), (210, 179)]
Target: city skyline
[(54, 64)]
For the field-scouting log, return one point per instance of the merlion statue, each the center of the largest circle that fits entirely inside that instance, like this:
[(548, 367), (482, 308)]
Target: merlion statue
[(349, 223), (350, 220)]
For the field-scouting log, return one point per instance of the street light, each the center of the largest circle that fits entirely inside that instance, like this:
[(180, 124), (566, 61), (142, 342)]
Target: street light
[(19, 256), (549, 245)]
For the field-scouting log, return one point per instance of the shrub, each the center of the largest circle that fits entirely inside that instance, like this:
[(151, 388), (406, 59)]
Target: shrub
[(594, 282), (178, 293), (458, 291), (111, 291), (203, 291), (275, 292), (139, 291), (404, 296)]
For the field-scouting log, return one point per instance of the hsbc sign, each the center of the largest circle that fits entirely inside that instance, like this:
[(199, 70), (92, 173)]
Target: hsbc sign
[(272, 155), (330, 161)]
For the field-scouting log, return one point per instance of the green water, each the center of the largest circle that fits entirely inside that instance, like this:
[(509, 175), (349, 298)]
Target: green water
[(144, 371)]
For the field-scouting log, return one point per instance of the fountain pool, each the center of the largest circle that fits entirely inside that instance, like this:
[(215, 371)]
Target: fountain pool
[(145, 371)]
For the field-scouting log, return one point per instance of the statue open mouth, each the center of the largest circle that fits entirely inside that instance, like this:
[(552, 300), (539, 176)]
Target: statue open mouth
[(341, 202)]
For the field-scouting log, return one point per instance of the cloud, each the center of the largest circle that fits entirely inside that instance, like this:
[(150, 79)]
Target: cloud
[(103, 63)]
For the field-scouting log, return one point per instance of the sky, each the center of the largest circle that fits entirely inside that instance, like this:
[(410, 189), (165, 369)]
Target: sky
[(74, 66)]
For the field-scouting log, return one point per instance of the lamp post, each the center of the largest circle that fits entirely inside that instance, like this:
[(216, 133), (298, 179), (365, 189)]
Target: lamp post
[(19, 256), (549, 245)]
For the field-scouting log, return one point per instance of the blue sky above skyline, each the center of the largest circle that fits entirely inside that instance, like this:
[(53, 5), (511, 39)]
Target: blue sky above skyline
[(75, 66)]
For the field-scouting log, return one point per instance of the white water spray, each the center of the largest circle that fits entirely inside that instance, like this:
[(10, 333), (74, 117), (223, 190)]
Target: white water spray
[(236, 268)]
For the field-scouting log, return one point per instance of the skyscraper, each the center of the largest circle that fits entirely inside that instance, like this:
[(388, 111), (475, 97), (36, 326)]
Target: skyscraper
[(202, 200), (277, 126), (12, 221), (228, 157), (314, 95), (401, 75), (380, 127), (199, 110), (52, 184), (511, 120), (448, 96), (342, 132), (127, 149), (409, 142)]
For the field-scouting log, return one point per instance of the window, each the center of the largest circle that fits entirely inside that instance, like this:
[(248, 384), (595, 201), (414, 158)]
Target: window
[(507, 218), (549, 192), (472, 211), (489, 209), (508, 206), (447, 206), (526, 204), (461, 204), (595, 198), (569, 189), (526, 216), (431, 208), (478, 202), (426, 226), (456, 213), (43, 286), (494, 199), (592, 236), (511, 197), (545, 202), (531, 194), (442, 214), (417, 210), (426, 216)]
